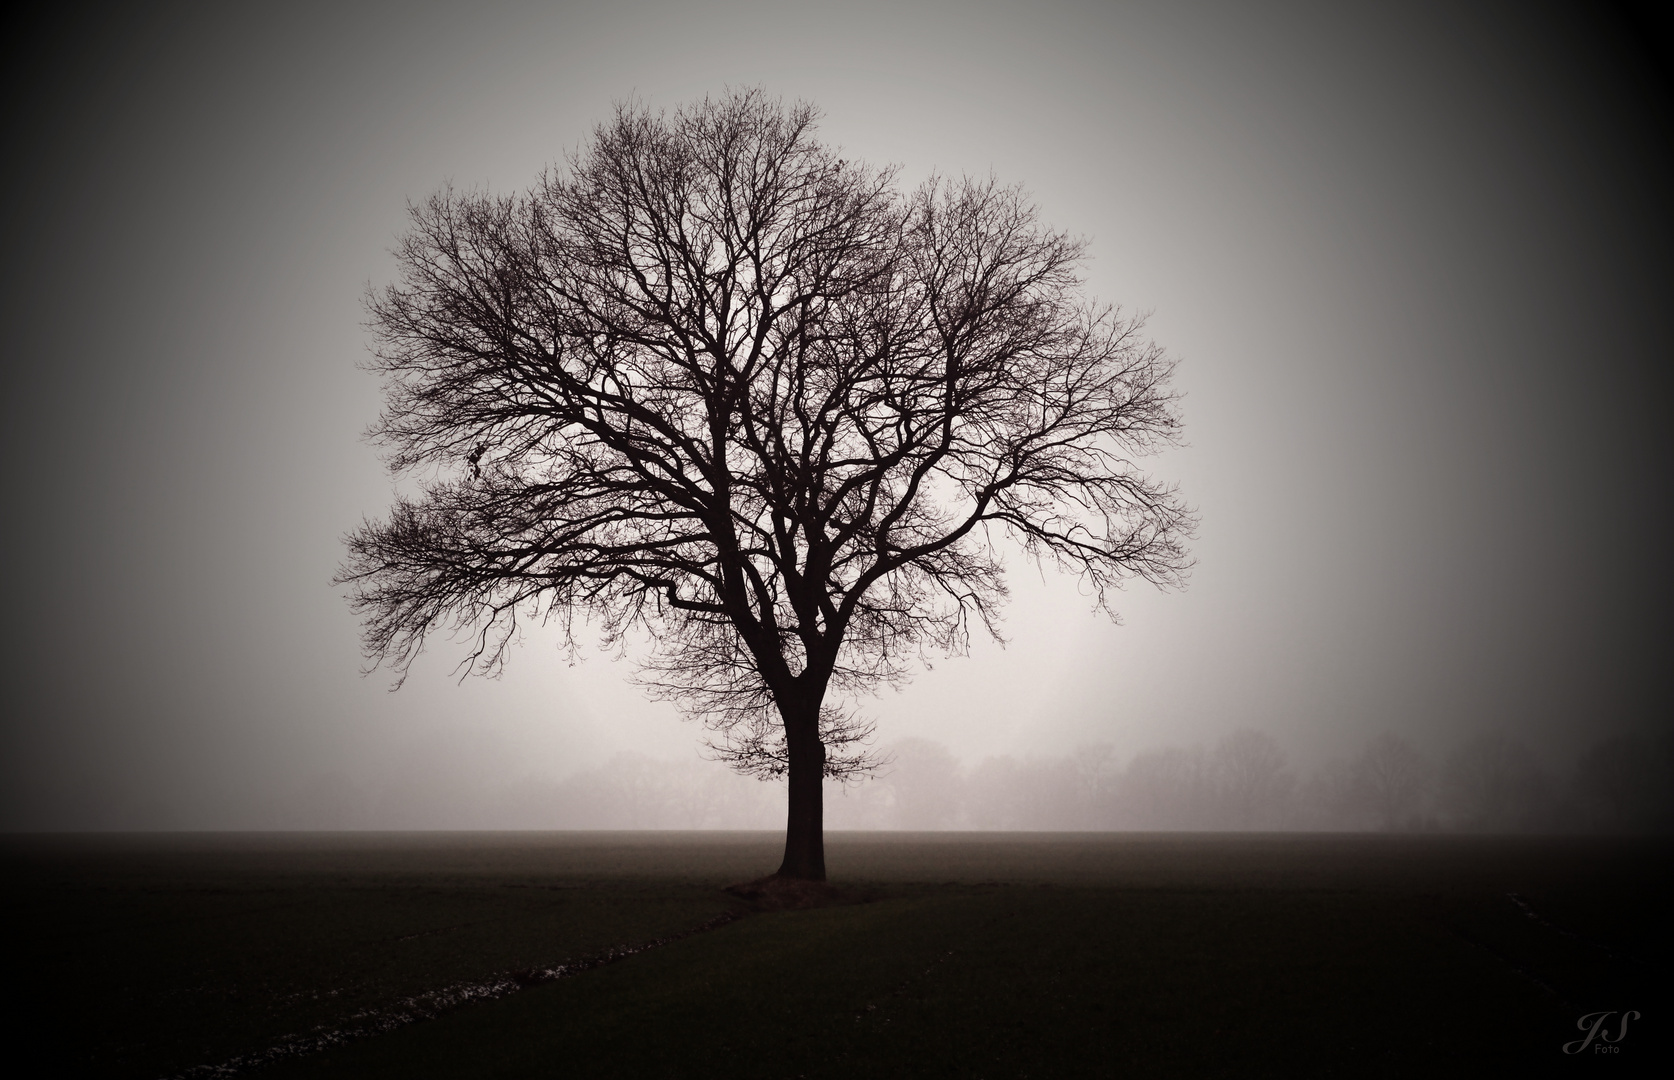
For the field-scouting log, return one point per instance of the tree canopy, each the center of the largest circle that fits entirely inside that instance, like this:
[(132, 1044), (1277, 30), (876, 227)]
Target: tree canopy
[(714, 382)]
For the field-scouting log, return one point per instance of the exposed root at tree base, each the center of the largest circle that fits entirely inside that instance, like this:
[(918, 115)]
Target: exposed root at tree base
[(775, 893)]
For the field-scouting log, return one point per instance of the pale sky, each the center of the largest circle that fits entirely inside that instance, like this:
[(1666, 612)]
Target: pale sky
[(1414, 259)]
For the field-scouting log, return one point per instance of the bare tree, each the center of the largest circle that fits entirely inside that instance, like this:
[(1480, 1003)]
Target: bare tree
[(1256, 784), (714, 383), (1626, 782), (1171, 788), (1493, 783), (1388, 780), (925, 785)]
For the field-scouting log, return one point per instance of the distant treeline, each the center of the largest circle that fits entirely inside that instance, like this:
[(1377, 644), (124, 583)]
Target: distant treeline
[(1490, 783)]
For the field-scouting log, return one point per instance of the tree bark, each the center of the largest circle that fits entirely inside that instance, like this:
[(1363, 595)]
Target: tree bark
[(805, 826)]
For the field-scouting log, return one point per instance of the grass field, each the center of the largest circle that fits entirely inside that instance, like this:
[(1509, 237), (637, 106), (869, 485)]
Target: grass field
[(993, 955)]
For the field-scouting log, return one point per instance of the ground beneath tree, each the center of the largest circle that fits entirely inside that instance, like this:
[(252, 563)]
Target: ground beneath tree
[(936, 955), (775, 893)]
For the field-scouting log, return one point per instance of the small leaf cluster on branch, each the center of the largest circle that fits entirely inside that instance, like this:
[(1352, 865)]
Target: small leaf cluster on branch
[(713, 382)]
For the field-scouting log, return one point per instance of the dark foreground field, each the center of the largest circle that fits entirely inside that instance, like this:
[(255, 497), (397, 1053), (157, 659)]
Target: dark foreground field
[(618, 954)]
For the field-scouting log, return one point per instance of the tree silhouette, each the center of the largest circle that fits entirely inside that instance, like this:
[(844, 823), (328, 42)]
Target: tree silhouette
[(1389, 778), (714, 383), (1256, 784)]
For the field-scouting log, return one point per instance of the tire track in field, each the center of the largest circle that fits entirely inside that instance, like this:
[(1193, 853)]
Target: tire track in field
[(431, 1004)]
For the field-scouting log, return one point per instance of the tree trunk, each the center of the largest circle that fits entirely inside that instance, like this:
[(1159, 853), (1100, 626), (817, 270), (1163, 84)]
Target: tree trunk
[(805, 825)]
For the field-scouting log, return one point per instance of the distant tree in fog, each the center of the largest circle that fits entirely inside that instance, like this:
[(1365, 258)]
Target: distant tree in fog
[(1492, 782), (330, 801), (995, 798), (1172, 788), (714, 383), (1051, 793), (1626, 783), (1095, 778), (1326, 799), (1062, 793), (633, 791), (925, 785), (1388, 781), (1245, 782), (1255, 781)]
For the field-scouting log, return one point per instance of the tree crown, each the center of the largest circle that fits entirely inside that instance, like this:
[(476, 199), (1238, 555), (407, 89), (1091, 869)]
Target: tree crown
[(713, 381)]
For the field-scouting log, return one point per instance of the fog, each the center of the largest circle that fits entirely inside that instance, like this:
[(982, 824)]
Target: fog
[(1414, 259), (1491, 782)]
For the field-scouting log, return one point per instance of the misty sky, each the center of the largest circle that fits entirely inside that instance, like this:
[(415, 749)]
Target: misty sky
[(1414, 258)]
